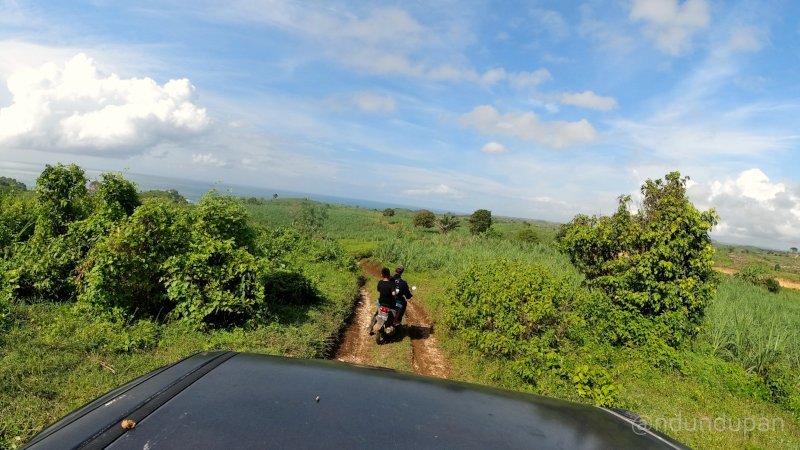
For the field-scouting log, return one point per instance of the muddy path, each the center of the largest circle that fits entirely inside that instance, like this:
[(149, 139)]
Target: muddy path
[(358, 347)]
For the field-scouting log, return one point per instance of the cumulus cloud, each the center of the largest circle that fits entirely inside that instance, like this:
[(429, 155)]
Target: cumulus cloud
[(528, 126), (589, 99), (494, 147), (671, 24), (208, 159), (753, 210), (438, 190), (77, 108)]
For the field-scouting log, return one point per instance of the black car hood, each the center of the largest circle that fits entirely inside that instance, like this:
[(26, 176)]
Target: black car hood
[(241, 400)]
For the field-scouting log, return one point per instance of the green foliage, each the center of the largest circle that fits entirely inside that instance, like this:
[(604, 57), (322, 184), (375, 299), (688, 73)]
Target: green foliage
[(171, 195), (116, 196), (528, 235), (311, 217), (757, 274), (125, 269), (214, 282), (595, 383), (11, 185), (447, 223), (61, 196), (224, 217), (424, 218), (480, 221), (17, 221), (284, 287), (388, 212), (656, 262), (514, 310)]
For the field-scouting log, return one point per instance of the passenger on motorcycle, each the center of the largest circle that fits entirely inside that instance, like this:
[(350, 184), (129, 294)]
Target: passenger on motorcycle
[(402, 292), (386, 291)]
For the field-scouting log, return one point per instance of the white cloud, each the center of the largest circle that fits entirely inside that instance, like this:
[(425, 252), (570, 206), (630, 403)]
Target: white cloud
[(208, 159), (439, 190), (745, 39), (752, 209), (78, 108), (494, 147), (555, 134), (369, 102), (551, 22), (671, 24), (589, 99)]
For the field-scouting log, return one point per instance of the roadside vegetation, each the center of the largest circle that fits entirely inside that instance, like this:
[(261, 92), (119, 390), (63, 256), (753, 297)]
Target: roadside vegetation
[(103, 285)]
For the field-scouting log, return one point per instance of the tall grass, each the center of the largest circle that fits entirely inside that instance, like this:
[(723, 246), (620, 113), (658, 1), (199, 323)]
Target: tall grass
[(754, 327), (454, 253)]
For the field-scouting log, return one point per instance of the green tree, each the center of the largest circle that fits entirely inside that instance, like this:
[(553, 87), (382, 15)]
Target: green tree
[(388, 212), (447, 223), (117, 195), (311, 217), (62, 197), (480, 221), (656, 262), (10, 184), (170, 194), (424, 218), (224, 217)]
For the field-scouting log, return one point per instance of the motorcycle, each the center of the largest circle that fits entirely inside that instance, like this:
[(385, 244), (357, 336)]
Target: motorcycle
[(385, 323)]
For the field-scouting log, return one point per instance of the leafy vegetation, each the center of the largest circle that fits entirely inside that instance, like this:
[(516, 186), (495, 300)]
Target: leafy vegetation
[(655, 263), (424, 218), (122, 290), (480, 221)]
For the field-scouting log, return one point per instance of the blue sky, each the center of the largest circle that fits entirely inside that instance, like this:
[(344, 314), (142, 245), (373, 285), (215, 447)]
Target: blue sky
[(529, 109)]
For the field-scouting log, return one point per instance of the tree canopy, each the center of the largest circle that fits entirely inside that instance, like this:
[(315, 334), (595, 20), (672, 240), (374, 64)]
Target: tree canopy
[(655, 262), (480, 221)]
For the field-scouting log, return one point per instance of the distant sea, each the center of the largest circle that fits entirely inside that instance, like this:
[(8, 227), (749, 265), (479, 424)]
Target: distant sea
[(193, 190)]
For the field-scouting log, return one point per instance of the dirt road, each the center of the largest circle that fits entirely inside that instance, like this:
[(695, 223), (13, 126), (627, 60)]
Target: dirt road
[(358, 347)]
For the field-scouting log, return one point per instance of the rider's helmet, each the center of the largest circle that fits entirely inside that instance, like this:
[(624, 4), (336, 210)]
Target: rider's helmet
[(399, 269)]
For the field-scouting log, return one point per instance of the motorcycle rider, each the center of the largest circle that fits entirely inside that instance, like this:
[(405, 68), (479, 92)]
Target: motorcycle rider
[(386, 291), (403, 293)]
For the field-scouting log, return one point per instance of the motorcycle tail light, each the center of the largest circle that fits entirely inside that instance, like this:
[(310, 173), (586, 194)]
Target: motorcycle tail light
[(383, 309)]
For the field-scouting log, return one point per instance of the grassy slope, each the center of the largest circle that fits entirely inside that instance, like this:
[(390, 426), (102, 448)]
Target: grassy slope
[(785, 265)]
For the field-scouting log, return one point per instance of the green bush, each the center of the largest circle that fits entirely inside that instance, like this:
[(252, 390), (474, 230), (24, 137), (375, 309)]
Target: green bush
[(61, 196), (388, 212), (656, 262), (224, 217), (214, 282), (125, 269), (528, 235), (424, 218), (480, 221), (514, 310), (595, 383)]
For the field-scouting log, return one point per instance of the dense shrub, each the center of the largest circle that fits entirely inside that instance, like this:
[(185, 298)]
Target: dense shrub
[(10, 184), (125, 269), (17, 221), (61, 196), (515, 310), (528, 235), (424, 218), (480, 221), (223, 217), (214, 282), (116, 196), (656, 262), (388, 212)]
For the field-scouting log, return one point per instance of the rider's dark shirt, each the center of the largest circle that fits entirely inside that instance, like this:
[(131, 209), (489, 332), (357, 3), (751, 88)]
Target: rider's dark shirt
[(400, 283), (386, 291)]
